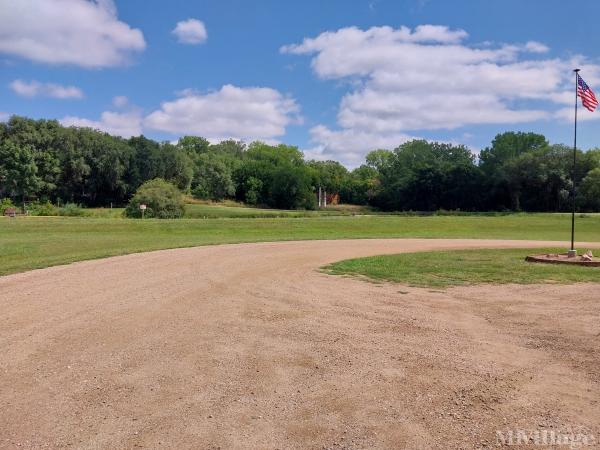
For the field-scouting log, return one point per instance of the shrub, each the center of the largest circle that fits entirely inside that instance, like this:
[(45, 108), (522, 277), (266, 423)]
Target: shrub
[(71, 210), (163, 201), (6, 203), (41, 209)]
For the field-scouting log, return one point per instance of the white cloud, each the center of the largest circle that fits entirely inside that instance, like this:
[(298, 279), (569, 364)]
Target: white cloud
[(536, 47), (125, 124), (190, 31), (385, 35), (403, 81), (384, 111), (349, 146), (436, 33), (120, 101), (583, 115), (4, 116), (79, 32), (254, 113), (35, 88)]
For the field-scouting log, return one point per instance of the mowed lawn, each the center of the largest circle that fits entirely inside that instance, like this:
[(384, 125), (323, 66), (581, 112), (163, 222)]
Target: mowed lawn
[(220, 211), (35, 242), (233, 210), (463, 267)]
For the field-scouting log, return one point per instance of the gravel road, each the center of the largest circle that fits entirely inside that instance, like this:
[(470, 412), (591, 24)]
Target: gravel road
[(249, 346)]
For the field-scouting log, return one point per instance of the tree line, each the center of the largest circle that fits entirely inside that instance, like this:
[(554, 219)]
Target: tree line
[(42, 160)]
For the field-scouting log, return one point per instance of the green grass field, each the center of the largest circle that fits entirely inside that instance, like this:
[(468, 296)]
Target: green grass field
[(36, 242), (206, 210), (235, 211), (464, 267)]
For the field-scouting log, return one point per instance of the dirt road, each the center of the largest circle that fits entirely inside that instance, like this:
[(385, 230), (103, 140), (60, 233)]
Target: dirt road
[(249, 346)]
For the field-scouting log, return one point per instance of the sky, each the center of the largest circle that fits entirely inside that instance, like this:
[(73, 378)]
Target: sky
[(336, 78)]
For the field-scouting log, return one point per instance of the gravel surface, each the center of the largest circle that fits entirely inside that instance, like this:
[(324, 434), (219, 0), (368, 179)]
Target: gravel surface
[(250, 346)]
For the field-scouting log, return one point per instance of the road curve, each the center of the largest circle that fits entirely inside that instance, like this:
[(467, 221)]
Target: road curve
[(250, 346)]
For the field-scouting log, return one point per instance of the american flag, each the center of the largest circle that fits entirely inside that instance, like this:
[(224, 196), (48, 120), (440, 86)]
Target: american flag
[(588, 99)]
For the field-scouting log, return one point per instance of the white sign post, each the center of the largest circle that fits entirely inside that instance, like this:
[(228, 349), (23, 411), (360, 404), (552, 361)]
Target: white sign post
[(142, 208)]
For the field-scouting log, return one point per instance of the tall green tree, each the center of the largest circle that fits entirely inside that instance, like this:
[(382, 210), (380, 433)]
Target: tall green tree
[(285, 177), (589, 191), (212, 179), (330, 175), (360, 186), (234, 149), (108, 159), (193, 145), (146, 163), (508, 146), (379, 159), (177, 166), (424, 176), (497, 163), (18, 172)]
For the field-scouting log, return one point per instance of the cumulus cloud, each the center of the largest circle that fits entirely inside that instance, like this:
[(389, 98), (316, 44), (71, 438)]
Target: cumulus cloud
[(79, 32), (348, 145), (375, 36), (536, 47), (252, 113), (190, 31), (568, 115), (125, 124), (4, 116), (404, 81), (120, 101), (35, 88)]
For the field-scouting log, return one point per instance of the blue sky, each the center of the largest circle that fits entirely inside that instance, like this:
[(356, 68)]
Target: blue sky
[(335, 78)]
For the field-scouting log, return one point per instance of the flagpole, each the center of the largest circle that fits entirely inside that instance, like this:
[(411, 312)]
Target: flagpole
[(572, 251)]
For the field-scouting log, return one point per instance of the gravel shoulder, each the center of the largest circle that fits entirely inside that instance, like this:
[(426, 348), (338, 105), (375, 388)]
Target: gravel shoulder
[(250, 346)]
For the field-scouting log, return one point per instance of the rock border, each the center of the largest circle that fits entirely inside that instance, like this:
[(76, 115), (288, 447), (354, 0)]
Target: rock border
[(561, 259)]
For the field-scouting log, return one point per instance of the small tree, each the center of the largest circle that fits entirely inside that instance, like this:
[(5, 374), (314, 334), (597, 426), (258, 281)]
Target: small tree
[(163, 201), (5, 204)]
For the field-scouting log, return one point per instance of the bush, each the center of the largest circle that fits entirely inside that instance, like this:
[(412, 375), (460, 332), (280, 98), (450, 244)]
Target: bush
[(41, 209), (6, 203), (163, 201), (71, 210)]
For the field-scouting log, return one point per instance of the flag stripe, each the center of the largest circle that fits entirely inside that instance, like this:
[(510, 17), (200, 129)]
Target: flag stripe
[(587, 94), (588, 98)]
